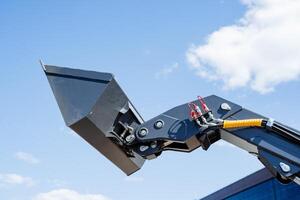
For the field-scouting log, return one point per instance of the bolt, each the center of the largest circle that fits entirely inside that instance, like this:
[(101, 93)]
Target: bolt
[(129, 138), (284, 167), (159, 124), (143, 148), (143, 132), (225, 106), (153, 145)]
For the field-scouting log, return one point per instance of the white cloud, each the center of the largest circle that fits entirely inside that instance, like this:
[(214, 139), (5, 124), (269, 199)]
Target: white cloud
[(26, 157), (166, 71), (66, 194), (261, 51), (15, 179)]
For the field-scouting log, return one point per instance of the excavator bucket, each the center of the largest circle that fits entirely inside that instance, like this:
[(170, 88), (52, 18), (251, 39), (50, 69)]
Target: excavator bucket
[(95, 107)]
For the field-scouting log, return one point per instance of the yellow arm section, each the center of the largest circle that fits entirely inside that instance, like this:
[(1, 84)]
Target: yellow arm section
[(242, 123)]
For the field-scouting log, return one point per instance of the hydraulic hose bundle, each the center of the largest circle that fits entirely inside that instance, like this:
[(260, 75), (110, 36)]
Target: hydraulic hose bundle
[(242, 123), (206, 119)]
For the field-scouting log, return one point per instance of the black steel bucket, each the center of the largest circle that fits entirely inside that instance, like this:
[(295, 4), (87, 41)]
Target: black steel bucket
[(94, 106)]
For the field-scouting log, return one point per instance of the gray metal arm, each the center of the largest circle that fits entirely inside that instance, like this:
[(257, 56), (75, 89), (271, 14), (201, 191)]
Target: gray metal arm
[(94, 106), (275, 145)]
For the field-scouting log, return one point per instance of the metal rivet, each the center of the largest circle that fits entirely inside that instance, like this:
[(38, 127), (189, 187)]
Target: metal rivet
[(129, 138), (143, 148), (159, 124), (153, 145), (284, 167), (143, 132), (225, 106)]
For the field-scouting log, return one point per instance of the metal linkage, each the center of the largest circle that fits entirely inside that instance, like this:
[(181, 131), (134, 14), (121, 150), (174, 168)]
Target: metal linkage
[(187, 127), (184, 128)]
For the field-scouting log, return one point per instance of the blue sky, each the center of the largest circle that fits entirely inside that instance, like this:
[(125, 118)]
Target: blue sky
[(146, 45)]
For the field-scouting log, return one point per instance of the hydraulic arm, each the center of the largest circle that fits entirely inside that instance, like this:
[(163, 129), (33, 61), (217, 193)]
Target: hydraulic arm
[(94, 106)]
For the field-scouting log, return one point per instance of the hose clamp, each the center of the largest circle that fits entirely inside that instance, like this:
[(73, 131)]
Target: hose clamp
[(270, 123)]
